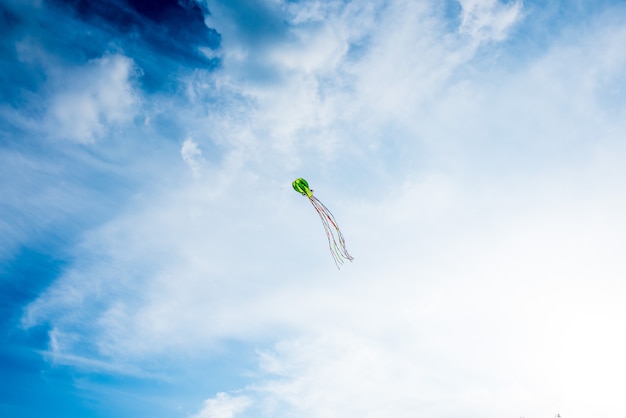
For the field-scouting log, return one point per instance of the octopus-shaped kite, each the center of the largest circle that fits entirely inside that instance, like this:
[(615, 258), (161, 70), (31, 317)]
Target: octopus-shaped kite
[(336, 242)]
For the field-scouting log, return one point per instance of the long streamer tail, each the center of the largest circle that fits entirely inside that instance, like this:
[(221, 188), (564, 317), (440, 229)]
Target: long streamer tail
[(336, 242)]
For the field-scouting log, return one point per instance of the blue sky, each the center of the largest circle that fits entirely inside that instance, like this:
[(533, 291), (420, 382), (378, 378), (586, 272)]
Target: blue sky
[(154, 260)]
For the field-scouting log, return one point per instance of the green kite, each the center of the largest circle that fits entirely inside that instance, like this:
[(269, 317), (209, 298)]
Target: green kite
[(336, 242)]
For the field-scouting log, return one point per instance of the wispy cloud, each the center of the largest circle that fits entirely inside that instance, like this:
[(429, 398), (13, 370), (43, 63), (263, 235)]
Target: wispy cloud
[(478, 188), (90, 100), (192, 156), (223, 406), (489, 20)]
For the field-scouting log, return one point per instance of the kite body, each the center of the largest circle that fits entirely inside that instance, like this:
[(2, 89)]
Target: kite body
[(302, 186), (336, 242)]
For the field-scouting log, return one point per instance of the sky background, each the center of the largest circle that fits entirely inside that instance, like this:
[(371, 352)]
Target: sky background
[(154, 260)]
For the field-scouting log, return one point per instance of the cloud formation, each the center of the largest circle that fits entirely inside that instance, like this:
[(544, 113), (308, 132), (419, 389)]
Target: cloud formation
[(192, 156), (223, 406), (489, 20), (91, 99), (476, 178)]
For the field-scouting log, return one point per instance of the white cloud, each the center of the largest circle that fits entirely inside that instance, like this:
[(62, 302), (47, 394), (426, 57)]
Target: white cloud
[(514, 317), (223, 406), (488, 232), (192, 156), (91, 100), (489, 20)]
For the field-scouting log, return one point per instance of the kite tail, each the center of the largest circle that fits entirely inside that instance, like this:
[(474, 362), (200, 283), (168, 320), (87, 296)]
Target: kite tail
[(336, 242)]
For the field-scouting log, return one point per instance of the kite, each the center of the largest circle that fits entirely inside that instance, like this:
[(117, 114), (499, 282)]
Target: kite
[(336, 242)]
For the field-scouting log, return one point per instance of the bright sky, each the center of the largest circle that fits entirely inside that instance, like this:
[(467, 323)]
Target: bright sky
[(155, 261)]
